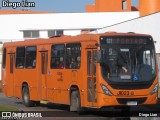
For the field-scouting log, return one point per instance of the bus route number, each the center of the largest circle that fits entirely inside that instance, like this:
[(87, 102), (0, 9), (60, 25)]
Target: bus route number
[(125, 93), (60, 76)]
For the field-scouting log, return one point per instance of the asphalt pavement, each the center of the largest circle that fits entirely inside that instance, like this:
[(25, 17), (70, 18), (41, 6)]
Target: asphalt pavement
[(51, 111), (58, 112)]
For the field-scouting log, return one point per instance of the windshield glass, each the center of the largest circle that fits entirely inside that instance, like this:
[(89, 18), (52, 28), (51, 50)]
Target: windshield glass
[(127, 59)]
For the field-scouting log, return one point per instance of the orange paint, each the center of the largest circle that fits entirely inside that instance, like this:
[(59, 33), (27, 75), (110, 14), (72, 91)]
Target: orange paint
[(147, 7), (109, 6), (54, 84), (90, 8)]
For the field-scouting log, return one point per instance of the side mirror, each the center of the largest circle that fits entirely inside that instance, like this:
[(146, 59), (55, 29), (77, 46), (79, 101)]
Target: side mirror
[(99, 56)]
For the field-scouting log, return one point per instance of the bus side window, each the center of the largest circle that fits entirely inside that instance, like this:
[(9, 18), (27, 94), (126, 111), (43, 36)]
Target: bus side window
[(4, 58), (30, 57), (20, 57), (57, 56), (73, 55)]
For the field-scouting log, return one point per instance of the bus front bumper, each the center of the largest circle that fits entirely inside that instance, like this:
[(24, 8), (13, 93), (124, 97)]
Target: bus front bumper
[(126, 100)]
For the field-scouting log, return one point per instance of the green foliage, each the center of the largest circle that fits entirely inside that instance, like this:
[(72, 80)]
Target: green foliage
[(7, 108)]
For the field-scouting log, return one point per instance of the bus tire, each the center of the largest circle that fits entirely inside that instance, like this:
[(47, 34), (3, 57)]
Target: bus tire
[(75, 103), (26, 97)]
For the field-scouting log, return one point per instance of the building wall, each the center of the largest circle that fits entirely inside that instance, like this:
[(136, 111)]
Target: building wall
[(12, 26), (109, 6), (147, 7), (72, 32), (90, 8)]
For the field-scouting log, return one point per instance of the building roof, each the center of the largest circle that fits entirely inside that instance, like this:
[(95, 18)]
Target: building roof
[(21, 12)]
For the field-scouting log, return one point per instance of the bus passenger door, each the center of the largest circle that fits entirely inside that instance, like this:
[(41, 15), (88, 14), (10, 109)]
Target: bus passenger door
[(44, 61), (91, 77), (11, 79)]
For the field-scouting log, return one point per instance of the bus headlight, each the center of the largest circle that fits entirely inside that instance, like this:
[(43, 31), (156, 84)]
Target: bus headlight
[(154, 89), (106, 90)]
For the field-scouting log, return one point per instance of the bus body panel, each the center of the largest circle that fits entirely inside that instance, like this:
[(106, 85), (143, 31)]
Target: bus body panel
[(54, 85)]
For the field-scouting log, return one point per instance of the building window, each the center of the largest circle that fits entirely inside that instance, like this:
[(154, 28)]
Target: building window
[(30, 57), (124, 5), (59, 32), (31, 34), (57, 56), (52, 33), (73, 55)]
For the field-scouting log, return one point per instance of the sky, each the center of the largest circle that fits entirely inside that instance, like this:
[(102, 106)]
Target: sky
[(59, 5)]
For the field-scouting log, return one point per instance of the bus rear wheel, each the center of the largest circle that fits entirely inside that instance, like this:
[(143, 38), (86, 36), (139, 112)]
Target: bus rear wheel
[(26, 97), (75, 103)]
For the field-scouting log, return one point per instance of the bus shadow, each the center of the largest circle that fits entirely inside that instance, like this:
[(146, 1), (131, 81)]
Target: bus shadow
[(56, 106), (64, 110), (59, 110)]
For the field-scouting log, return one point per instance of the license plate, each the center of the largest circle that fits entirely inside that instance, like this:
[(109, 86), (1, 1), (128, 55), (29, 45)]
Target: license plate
[(132, 103), (125, 77)]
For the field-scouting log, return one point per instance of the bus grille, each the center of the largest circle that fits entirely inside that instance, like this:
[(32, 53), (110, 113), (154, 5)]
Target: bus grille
[(133, 86), (125, 100)]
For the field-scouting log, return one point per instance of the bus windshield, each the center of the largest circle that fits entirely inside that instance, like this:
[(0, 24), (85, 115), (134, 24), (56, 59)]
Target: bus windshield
[(127, 59)]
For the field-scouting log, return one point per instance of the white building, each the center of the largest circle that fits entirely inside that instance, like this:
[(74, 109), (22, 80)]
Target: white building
[(22, 26)]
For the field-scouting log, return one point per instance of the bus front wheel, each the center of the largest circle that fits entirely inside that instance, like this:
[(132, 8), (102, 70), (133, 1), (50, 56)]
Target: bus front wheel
[(75, 104), (26, 97)]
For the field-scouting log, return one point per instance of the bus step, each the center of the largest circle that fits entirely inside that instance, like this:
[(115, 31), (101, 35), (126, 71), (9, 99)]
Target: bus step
[(44, 101)]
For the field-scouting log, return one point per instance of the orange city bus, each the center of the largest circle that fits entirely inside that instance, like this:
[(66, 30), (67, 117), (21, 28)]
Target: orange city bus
[(84, 71)]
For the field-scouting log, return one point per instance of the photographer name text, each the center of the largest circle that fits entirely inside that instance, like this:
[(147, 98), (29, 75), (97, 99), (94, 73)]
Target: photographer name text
[(148, 115), (14, 5)]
